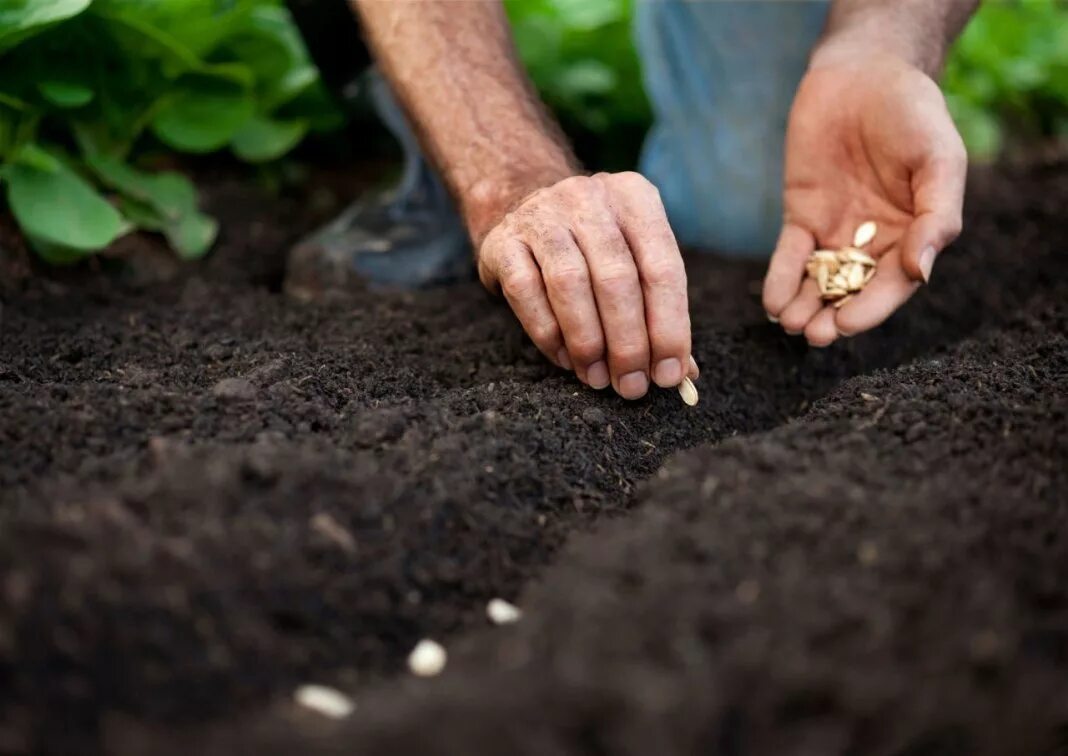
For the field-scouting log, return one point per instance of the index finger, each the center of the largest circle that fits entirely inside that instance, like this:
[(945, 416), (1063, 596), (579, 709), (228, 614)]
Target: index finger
[(643, 221)]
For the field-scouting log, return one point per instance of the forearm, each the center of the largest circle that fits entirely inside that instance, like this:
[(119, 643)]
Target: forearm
[(918, 31), (455, 71)]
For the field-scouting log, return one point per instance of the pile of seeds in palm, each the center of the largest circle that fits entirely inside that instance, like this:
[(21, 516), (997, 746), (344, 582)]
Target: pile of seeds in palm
[(842, 273)]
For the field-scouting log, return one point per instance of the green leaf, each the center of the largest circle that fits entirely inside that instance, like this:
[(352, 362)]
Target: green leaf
[(56, 254), (163, 202), (21, 19), (65, 94), (262, 139), (203, 115), (32, 156), (60, 208), (193, 235)]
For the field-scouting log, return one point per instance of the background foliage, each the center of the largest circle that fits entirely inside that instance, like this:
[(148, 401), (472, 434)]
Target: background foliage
[(84, 82), (93, 92)]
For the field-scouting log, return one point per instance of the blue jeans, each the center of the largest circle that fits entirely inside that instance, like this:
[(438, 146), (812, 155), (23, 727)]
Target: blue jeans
[(721, 76)]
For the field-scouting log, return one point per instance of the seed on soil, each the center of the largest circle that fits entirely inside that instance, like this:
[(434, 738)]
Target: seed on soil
[(500, 612), (688, 391), (841, 273), (865, 233), (427, 659), (323, 700)]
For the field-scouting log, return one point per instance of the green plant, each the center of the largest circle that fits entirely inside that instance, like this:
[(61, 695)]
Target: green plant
[(1009, 74), (581, 56), (85, 83)]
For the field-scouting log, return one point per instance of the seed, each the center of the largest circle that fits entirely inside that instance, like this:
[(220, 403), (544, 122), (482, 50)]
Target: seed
[(427, 659), (842, 301), (855, 255), (865, 233), (500, 612), (821, 278), (856, 277), (869, 275), (326, 701), (688, 391), (840, 281), (834, 293)]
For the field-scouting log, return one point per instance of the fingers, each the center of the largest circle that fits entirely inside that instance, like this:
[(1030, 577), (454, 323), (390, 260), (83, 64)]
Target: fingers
[(519, 277), (618, 294), (889, 289), (593, 272), (821, 330), (787, 268), (802, 309), (939, 198), (644, 224), (569, 288)]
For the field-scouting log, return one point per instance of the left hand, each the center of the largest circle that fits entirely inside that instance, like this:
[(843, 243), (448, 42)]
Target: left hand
[(869, 138)]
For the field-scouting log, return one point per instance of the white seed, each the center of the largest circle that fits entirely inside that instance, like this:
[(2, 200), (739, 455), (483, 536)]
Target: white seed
[(842, 301), (326, 701), (869, 275), (688, 391), (865, 233), (855, 255), (834, 293), (856, 277), (427, 659), (500, 612), (840, 281), (822, 276)]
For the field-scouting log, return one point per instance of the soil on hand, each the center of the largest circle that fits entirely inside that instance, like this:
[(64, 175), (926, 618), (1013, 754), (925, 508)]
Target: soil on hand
[(210, 495)]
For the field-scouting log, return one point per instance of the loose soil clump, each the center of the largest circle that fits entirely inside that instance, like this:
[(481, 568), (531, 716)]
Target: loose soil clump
[(212, 496)]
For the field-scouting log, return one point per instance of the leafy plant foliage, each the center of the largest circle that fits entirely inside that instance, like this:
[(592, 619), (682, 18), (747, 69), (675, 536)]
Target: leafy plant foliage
[(85, 82)]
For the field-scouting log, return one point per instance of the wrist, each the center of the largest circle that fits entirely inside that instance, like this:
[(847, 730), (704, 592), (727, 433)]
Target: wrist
[(880, 31), (485, 202)]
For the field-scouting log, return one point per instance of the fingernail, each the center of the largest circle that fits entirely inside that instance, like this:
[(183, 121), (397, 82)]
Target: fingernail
[(668, 373), (693, 368), (564, 358), (597, 375), (772, 318), (927, 258), (633, 385)]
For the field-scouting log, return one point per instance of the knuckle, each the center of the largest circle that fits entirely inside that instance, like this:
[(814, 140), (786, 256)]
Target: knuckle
[(664, 271), (615, 280), (585, 347), (568, 278), (545, 333), (575, 185), (520, 285), (630, 354), (634, 182)]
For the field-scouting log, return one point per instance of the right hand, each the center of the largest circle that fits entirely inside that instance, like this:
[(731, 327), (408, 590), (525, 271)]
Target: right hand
[(591, 268)]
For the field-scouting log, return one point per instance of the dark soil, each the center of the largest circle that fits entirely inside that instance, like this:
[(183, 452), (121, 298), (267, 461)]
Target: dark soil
[(211, 495)]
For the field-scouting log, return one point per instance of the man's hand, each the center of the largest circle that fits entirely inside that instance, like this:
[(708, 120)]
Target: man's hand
[(589, 264), (869, 138), (591, 268)]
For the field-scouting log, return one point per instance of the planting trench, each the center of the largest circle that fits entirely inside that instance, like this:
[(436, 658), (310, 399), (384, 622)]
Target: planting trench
[(211, 495)]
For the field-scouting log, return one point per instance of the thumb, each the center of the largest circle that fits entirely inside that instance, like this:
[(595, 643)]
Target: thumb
[(939, 199)]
